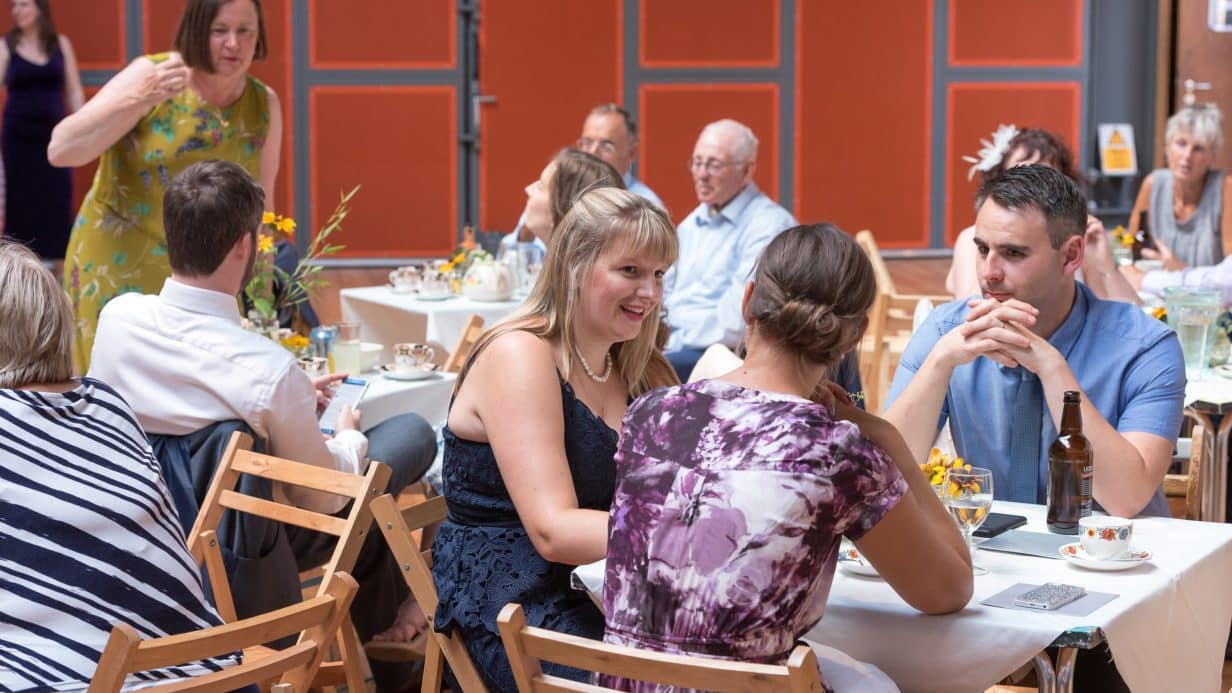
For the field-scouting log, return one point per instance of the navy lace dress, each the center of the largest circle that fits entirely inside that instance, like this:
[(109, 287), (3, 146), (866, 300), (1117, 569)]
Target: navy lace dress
[(482, 558), (38, 203)]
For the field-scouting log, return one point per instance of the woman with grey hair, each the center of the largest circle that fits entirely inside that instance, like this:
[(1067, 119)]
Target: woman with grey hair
[(90, 536), (1185, 201)]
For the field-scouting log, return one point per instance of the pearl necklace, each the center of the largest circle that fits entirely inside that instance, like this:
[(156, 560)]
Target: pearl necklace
[(607, 371)]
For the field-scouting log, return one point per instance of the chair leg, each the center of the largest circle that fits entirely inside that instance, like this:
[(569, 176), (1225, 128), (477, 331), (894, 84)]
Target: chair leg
[(433, 669), (354, 661)]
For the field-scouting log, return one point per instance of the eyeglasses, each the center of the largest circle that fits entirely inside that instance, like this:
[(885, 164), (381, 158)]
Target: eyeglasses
[(586, 144), (711, 166)]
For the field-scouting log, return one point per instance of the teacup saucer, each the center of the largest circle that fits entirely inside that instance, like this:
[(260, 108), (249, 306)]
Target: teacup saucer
[(850, 561), (392, 373), (419, 295), (1074, 553), (400, 289)]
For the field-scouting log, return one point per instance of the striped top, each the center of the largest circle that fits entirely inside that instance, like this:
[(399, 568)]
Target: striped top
[(88, 538)]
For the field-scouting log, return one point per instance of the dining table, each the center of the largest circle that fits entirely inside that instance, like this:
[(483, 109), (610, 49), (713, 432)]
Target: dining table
[(1165, 626), (387, 397), (390, 317)]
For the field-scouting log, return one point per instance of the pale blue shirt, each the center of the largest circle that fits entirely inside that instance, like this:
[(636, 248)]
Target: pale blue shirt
[(718, 249), (1128, 364)]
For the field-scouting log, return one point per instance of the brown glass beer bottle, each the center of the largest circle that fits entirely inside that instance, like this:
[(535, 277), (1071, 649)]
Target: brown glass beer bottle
[(1070, 467), (1142, 237)]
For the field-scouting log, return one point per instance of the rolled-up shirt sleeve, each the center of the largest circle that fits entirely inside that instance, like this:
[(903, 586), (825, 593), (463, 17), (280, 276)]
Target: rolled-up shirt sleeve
[(294, 434)]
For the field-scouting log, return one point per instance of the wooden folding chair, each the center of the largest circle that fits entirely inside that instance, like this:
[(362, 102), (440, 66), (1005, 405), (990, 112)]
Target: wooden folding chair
[(470, 335), (527, 645), (316, 620), (397, 527), (1184, 491), (239, 459), (889, 326)]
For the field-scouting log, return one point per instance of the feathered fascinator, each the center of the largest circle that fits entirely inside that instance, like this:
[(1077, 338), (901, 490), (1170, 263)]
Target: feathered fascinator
[(993, 152)]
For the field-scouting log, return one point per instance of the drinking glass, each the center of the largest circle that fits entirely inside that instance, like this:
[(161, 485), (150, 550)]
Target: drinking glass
[(346, 348), (1192, 314), (967, 494)]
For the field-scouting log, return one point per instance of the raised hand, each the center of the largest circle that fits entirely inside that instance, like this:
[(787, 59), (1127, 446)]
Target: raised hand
[(169, 78)]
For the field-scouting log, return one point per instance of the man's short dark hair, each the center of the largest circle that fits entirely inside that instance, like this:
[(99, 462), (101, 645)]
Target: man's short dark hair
[(606, 108), (192, 39), (1046, 189), (206, 209)]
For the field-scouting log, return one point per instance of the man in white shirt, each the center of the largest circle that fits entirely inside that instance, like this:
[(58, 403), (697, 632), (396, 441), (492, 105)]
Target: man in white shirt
[(719, 244), (609, 133), (184, 363)]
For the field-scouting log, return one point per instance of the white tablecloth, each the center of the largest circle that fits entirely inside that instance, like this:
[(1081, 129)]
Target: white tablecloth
[(386, 398), (390, 318), (1167, 628)]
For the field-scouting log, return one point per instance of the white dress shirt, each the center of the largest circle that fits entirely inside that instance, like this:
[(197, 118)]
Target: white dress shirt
[(718, 249), (1218, 277), (182, 361)]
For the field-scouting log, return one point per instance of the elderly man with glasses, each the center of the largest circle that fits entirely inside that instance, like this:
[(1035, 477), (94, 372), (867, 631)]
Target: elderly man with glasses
[(720, 241)]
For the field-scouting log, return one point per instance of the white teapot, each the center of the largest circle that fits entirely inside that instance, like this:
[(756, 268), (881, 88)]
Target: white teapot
[(488, 280)]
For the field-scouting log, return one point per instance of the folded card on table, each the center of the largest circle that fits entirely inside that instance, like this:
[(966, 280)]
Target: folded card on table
[(1028, 543)]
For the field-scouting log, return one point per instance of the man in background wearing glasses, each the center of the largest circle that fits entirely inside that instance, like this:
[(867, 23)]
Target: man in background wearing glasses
[(720, 241), (610, 134)]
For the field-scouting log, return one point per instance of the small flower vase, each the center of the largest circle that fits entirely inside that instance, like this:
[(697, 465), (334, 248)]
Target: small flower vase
[(1221, 349), (264, 325)]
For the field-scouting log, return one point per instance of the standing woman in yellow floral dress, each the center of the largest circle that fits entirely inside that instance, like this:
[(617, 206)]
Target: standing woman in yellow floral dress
[(155, 118)]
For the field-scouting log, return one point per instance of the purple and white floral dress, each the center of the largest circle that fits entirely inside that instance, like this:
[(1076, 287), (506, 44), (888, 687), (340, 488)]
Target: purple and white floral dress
[(725, 527)]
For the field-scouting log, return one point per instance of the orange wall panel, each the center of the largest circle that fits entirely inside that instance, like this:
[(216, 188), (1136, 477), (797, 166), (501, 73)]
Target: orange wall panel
[(160, 20), (709, 33), (996, 32), (543, 89), (673, 115), (95, 28), (863, 130), (391, 34), (977, 109), (401, 144)]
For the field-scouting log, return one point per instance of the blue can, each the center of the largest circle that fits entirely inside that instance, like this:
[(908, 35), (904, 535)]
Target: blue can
[(322, 341)]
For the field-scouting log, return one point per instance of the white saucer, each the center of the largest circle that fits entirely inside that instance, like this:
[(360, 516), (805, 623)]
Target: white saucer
[(850, 561), (414, 374), (1075, 554), (434, 297), (1224, 369), (400, 290)]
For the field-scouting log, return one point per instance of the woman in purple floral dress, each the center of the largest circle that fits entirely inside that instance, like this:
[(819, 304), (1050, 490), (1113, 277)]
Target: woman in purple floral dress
[(733, 493)]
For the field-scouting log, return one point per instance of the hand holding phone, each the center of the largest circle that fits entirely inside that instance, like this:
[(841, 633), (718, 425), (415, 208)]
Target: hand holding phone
[(348, 393), (1049, 596)]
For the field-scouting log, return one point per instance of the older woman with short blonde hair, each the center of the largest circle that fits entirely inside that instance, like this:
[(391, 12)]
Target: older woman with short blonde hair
[(91, 537)]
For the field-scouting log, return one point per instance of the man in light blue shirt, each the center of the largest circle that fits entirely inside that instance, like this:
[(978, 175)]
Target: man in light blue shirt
[(720, 241), (609, 133), (997, 367)]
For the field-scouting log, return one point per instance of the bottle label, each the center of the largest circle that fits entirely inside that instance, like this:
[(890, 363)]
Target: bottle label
[(1085, 506)]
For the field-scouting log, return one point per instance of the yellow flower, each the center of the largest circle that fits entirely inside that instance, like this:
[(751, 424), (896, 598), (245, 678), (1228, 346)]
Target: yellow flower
[(296, 342), (269, 218), (285, 225), (265, 243), (1160, 313)]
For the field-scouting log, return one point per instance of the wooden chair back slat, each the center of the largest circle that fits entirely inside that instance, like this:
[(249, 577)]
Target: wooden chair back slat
[(297, 473), (470, 335), (416, 570), (1188, 486), (286, 514), (316, 620), (527, 645)]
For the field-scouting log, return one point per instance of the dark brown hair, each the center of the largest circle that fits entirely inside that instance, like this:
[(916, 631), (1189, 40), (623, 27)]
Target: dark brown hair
[(192, 39), (1050, 147), (47, 34), (577, 172), (206, 209), (812, 289), (1055, 195)]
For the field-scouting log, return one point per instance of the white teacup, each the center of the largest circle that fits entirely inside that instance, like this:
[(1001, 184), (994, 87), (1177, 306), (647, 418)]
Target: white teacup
[(1105, 538), (409, 356), (404, 279)]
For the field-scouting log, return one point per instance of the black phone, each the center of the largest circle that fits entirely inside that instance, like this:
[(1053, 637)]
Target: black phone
[(996, 523)]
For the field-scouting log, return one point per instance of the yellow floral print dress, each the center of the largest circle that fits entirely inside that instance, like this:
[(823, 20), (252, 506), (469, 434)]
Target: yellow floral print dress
[(117, 244)]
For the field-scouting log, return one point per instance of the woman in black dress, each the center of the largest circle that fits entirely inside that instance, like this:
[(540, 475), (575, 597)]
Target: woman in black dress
[(40, 74)]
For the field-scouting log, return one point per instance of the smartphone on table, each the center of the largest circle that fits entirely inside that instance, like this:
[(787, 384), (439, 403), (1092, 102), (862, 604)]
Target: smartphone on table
[(1049, 596), (996, 523), (348, 391)]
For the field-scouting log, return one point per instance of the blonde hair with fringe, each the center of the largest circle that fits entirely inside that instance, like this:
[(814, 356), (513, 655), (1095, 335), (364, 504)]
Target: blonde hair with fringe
[(37, 337), (600, 219)]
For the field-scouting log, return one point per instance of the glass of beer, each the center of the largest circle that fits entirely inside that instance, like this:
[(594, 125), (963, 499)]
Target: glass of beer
[(1192, 314)]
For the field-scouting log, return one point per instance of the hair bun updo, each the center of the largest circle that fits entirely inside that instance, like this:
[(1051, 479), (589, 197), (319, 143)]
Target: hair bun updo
[(813, 287)]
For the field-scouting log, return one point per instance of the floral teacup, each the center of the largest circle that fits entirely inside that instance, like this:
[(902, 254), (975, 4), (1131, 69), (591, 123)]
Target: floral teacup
[(1105, 538)]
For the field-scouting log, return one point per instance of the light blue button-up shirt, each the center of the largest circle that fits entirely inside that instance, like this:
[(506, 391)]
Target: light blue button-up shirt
[(717, 253), (1128, 364)]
